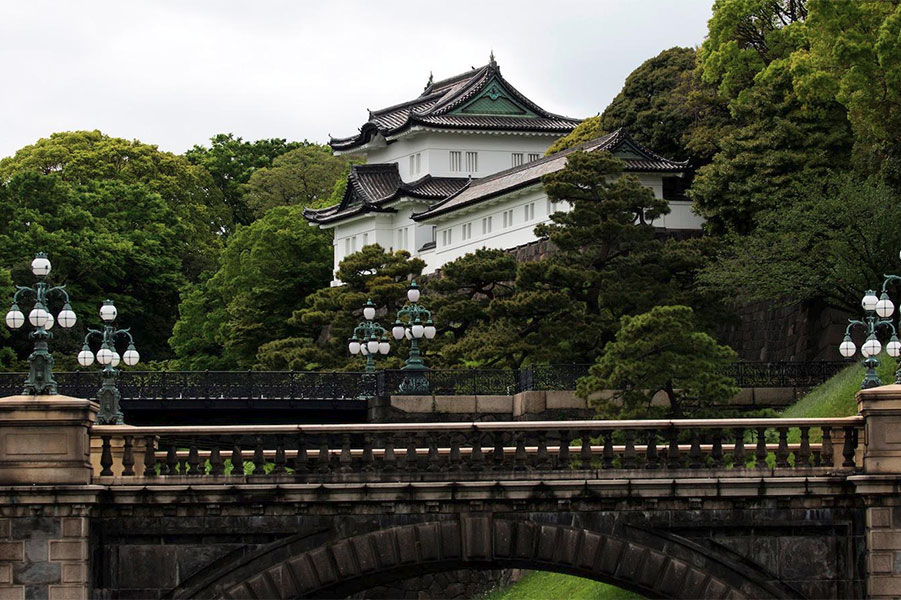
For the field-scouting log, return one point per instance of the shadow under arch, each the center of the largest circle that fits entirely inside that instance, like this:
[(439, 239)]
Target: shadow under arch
[(321, 566)]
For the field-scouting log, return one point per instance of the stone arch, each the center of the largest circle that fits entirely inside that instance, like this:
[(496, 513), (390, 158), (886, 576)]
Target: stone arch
[(320, 566)]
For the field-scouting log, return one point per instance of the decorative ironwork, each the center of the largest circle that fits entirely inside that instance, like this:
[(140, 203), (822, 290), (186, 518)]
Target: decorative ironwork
[(308, 385)]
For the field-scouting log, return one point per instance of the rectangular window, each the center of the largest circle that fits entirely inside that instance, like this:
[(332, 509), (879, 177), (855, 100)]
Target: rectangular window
[(486, 225), (415, 163), (400, 239), (517, 159), (447, 237), (456, 160), (406, 237), (346, 246), (533, 157), (552, 207), (508, 218), (529, 211), (467, 231), (472, 162), (365, 239)]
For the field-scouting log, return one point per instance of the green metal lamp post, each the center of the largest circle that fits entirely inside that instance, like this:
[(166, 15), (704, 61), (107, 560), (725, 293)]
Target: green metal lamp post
[(40, 363), (414, 322), (877, 315), (369, 338), (108, 396)]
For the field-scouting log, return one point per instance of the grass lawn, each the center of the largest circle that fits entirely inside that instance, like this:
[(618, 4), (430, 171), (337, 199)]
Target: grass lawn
[(541, 585), (835, 397)]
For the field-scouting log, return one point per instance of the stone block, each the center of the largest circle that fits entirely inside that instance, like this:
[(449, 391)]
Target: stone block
[(494, 404), (75, 527), (879, 517), (12, 593), (143, 566), (67, 592), (880, 562), (4, 528), (455, 404), (565, 399), (896, 563), (412, 404), (529, 403), (12, 551), (745, 397), (774, 396), (6, 574), (885, 540), (37, 573), (69, 550), (74, 573), (36, 550), (883, 587), (35, 528)]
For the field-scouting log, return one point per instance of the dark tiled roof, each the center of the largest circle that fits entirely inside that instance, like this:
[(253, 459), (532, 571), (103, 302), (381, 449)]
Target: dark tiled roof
[(531, 173), (432, 108), (370, 187)]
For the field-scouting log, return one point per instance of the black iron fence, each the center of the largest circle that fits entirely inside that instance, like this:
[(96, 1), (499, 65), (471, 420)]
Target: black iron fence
[(291, 385)]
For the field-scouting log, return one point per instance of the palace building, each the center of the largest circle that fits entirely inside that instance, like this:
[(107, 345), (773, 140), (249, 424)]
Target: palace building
[(459, 168)]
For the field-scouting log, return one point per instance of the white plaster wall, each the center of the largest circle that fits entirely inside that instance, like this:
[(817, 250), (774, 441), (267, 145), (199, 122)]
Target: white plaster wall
[(494, 152)]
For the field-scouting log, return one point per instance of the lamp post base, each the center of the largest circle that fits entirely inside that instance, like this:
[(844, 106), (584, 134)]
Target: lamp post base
[(871, 379), (108, 398), (40, 380)]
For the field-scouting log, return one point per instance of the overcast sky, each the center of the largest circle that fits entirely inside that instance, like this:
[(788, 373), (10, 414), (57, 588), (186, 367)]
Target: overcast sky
[(175, 73)]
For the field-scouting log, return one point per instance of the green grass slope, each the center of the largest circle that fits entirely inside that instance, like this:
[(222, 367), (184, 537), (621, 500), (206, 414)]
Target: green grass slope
[(541, 585), (836, 397)]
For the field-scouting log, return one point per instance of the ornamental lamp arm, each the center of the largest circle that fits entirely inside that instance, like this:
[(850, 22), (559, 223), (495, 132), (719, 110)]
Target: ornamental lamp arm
[(20, 289), (852, 323), (889, 278)]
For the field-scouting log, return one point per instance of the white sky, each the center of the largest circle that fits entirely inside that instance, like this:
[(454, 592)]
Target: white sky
[(175, 73)]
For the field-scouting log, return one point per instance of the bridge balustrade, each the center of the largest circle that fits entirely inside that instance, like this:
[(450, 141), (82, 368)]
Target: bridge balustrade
[(499, 450)]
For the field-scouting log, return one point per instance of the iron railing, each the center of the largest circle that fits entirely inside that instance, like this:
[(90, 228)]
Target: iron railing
[(499, 450), (306, 385)]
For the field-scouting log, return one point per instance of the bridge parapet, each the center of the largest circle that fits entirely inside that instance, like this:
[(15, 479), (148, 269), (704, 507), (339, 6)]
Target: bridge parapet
[(489, 450)]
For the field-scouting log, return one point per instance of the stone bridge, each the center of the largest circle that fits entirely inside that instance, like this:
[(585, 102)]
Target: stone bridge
[(746, 508)]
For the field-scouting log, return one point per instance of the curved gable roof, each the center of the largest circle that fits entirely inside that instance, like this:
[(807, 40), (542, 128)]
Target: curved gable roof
[(440, 104)]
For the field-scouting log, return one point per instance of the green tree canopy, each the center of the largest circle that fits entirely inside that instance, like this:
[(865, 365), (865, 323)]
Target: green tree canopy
[(651, 105), (660, 352), (829, 242), (88, 157), (854, 57), (323, 326), (231, 161), (305, 176), (264, 274), (106, 239)]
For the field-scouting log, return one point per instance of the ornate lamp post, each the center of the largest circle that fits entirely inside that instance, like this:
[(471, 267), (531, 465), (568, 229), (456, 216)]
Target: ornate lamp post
[(414, 322), (108, 396), (40, 370), (878, 312), (369, 338)]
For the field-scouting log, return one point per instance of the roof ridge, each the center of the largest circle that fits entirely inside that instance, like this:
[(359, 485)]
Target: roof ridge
[(417, 100), (456, 78)]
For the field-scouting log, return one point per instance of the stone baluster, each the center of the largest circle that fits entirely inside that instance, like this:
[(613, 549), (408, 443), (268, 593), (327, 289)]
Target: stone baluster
[(519, 456), (149, 456), (760, 452), (695, 456), (389, 459), (302, 460), (434, 460), (585, 450), (849, 447), (542, 459), (106, 457), (738, 452), (259, 458), (455, 462), (630, 459), (803, 457), (782, 448), (237, 457), (607, 456), (128, 457), (497, 456), (280, 459), (477, 458), (172, 459), (323, 461), (827, 450), (652, 459), (563, 460), (367, 460), (217, 465), (716, 452), (673, 458), (344, 459), (411, 458), (193, 458)]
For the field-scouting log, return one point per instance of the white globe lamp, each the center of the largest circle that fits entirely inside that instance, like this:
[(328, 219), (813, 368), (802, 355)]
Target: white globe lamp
[(15, 318)]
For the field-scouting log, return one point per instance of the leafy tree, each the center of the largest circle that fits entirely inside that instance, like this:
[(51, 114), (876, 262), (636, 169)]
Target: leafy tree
[(460, 297), (660, 351), (567, 306), (7, 356), (231, 161), (88, 157), (106, 239), (265, 271), (830, 243), (305, 175), (320, 331), (651, 105), (775, 141), (854, 57)]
